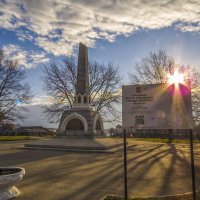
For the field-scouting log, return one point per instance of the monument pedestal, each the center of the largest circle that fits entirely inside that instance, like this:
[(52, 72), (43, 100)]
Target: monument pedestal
[(95, 145), (81, 122)]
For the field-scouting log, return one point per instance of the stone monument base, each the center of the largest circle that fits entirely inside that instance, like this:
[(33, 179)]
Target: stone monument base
[(95, 145), (82, 122)]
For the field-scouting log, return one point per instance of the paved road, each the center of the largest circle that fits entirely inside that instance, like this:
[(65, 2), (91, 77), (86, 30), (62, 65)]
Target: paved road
[(153, 169)]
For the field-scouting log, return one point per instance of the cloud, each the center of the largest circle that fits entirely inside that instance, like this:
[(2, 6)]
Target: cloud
[(59, 47), (26, 59), (36, 117), (58, 25), (189, 27), (40, 101)]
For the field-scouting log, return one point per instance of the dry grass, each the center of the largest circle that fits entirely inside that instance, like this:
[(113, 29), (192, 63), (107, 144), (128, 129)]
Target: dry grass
[(14, 138), (187, 196)]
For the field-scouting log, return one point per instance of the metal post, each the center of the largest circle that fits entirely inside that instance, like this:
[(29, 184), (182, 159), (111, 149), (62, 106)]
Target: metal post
[(192, 165), (125, 168)]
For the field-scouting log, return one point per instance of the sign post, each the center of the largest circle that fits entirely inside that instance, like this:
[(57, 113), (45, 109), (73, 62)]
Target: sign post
[(125, 167), (157, 106), (192, 165)]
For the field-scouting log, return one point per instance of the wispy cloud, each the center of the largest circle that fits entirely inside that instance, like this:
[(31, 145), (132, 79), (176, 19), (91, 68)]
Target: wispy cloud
[(189, 27), (26, 59), (58, 25), (38, 101)]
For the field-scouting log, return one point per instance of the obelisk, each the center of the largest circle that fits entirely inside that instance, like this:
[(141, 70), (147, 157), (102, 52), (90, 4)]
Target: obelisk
[(82, 97), (81, 120), (82, 86)]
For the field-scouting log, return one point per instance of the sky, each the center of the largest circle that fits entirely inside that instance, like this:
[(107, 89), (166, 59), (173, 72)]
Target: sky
[(38, 32)]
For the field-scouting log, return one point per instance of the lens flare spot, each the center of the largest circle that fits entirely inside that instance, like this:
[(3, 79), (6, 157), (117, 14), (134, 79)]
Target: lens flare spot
[(176, 78)]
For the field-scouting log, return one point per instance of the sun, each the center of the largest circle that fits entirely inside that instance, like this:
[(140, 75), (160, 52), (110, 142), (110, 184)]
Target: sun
[(176, 78)]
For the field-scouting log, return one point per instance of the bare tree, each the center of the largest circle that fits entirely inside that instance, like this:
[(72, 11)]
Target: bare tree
[(153, 69), (156, 67), (60, 81), (13, 90), (196, 107)]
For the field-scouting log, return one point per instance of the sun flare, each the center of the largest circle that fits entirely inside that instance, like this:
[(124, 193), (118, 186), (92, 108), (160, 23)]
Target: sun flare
[(176, 78)]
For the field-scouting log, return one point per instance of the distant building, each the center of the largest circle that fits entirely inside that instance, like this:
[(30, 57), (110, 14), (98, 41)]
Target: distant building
[(33, 131), (53, 130), (153, 133)]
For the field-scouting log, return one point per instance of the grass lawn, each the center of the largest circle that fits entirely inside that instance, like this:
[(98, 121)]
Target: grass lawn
[(160, 140), (15, 138), (165, 140)]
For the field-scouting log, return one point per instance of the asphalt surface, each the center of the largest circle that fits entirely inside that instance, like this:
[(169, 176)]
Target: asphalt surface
[(153, 170)]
